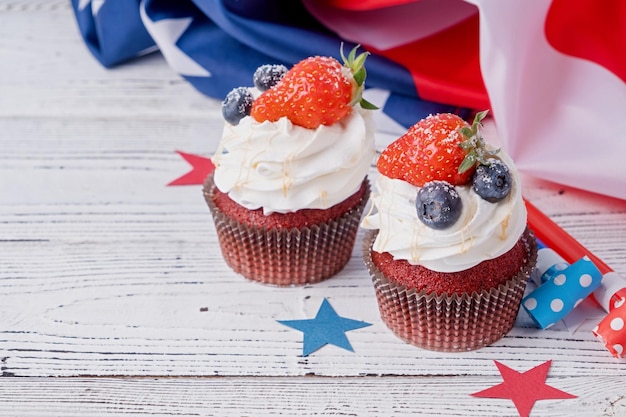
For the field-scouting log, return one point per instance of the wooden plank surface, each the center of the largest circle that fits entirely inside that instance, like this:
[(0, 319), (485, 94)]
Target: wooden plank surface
[(319, 396), (113, 283)]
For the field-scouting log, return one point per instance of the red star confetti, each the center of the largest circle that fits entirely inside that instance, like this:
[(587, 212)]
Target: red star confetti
[(524, 388), (201, 168)]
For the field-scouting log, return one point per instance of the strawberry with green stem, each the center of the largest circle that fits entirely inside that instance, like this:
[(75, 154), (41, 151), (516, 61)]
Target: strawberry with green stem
[(474, 144), (316, 91), (441, 147)]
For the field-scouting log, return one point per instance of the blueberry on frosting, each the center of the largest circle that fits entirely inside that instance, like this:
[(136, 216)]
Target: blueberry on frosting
[(237, 105), (267, 76), (492, 181), (438, 205)]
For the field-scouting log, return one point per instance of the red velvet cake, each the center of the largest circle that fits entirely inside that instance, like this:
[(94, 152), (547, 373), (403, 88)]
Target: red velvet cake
[(303, 247), (298, 219), (484, 276), (449, 251)]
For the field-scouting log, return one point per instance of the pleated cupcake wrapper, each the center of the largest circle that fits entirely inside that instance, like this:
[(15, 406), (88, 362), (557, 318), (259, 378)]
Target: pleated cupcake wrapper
[(449, 323), (287, 257)]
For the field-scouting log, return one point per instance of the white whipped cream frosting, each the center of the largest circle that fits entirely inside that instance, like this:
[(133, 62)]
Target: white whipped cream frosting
[(483, 231), (281, 167)]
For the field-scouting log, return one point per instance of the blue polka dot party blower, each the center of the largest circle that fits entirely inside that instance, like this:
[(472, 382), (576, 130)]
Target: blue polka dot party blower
[(561, 287), (567, 273)]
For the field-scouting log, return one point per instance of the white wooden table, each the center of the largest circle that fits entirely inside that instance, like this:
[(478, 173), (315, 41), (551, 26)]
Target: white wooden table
[(114, 298)]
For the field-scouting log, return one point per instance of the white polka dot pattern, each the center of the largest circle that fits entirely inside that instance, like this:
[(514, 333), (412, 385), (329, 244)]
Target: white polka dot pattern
[(612, 331), (564, 289)]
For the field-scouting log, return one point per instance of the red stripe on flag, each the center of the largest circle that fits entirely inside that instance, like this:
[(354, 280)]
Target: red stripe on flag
[(590, 29), (445, 66)]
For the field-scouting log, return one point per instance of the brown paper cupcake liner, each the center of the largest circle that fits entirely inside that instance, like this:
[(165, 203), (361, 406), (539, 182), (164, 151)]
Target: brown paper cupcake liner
[(286, 257), (450, 323)]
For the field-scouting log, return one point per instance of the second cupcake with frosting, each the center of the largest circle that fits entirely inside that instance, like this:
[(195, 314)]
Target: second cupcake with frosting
[(449, 250)]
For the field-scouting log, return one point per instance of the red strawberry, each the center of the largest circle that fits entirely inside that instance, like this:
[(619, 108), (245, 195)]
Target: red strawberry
[(440, 147), (316, 91)]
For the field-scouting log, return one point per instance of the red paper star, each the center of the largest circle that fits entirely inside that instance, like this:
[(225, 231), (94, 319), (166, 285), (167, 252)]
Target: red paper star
[(524, 389), (201, 168)]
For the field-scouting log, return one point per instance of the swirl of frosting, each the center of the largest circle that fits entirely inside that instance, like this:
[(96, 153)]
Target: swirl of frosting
[(281, 167), (483, 231)]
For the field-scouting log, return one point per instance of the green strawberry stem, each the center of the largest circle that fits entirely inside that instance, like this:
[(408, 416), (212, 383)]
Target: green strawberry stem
[(356, 63), (474, 144)]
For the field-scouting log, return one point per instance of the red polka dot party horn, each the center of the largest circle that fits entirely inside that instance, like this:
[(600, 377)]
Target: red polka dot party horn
[(610, 293), (611, 330)]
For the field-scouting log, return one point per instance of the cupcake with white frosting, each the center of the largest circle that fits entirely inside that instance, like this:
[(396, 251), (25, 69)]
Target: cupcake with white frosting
[(448, 250), (290, 180)]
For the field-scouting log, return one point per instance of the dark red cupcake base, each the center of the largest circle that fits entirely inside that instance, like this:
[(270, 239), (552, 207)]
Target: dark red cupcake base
[(450, 323), (287, 256)]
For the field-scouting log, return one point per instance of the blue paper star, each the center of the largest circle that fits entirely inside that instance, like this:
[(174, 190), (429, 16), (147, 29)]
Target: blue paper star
[(326, 328)]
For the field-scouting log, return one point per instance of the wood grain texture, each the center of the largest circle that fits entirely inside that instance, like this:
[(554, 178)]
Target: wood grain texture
[(365, 396), (113, 282)]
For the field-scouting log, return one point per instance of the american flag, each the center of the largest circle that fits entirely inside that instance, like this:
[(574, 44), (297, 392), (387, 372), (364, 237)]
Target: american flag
[(553, 72)]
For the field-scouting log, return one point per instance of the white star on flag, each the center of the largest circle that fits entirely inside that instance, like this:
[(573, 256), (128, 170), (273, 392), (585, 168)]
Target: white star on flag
[(166, 33), (95, 5), (82, 4)]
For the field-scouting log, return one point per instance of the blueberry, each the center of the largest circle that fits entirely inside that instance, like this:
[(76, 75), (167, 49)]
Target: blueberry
[(237, 105), (492, 181), (438, 205), (267, 76)]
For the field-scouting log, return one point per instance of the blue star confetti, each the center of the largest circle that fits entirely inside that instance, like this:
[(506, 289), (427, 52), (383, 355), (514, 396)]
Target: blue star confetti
[(327, 328)]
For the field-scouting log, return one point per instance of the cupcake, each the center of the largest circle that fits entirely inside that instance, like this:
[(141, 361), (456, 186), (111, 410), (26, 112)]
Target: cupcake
[(290, 180), (448, 249)]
